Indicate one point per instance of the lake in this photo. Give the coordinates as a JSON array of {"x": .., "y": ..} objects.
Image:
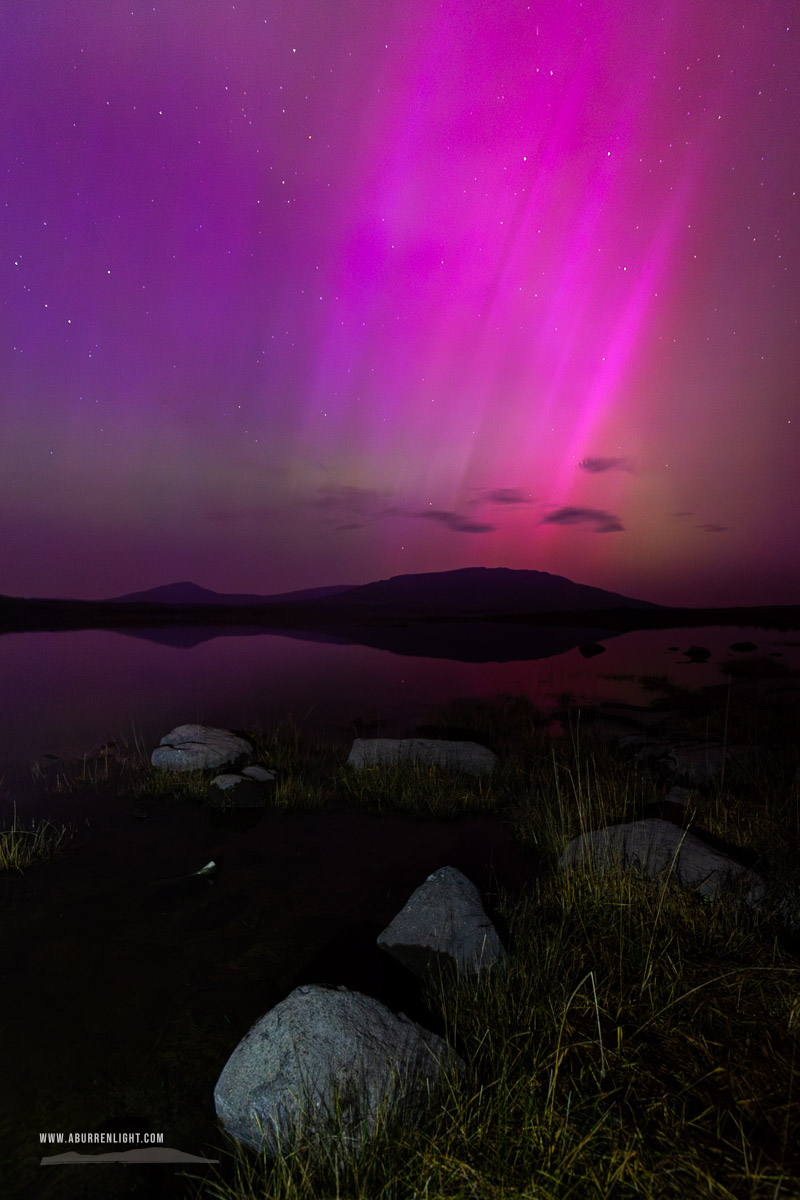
[{"x": 65, "y": 693}]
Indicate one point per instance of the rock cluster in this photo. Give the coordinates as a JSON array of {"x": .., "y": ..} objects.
[{"x": 327, "y": 1061}]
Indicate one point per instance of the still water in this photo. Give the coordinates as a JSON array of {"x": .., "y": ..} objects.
[{"x": 66, "y": 693}]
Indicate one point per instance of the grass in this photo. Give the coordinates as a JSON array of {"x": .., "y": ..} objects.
[
  {"x": 636, "y": 1046},
  {"x": 22, "y": 847},
  {"x": 641, "y": 1042}
]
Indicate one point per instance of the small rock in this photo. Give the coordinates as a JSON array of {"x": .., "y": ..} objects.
[
  {"x": 698, "y": 654},
  {"x": 196, "y": 747},
  {"x": 444, "y": 916},
  {"x": 260, "y": 774}
]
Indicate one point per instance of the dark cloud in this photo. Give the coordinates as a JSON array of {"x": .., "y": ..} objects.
[
  {"x": 712, "y": 528},
  {"x": 603, "y": 522},
  {"x": 353, "y": 507},
  {"x": 507, "y": 496},
  {"x": 501, "y": 496},
  {"x": 453, "y": 521},
  {"x": 596, "y": 465}
]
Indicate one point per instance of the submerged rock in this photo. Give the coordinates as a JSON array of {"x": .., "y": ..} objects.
[{"x": 591, "y": 649}]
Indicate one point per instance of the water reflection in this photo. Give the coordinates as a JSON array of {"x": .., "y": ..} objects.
[{"x": 65, "y": 693}]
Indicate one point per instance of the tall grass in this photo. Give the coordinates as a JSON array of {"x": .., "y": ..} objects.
[
  {"x": 639, "y": 1043},
  {"x": 22, "y": 847}
]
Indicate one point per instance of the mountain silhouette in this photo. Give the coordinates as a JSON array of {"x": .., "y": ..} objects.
[
  {"x": 464, "y": 592},
  {"x": 192, "y": 593},
  {"x": 478, "y": 591}
]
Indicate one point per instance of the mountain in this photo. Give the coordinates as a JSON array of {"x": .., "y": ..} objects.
[
  {"x": 477, "y": 591},
  {"x": 466, "y": 592},
  {"x": 192, "y": 593}
]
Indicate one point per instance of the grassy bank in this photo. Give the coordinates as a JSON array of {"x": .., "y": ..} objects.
[{"x": 642, "y": 1043}]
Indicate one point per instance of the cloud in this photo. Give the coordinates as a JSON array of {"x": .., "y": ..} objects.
[
  {"x": 596, "y": 465},
  {"x": 678, "y": 515},
  {"x": 453, "y": 521},
  {"x": 501, "y": 496},
  {"x": 508, "y": 496},
  {"x": 712, "y": 528},
  {"x": 347, "y": 507},
  {"x": 603, "y": 522}
]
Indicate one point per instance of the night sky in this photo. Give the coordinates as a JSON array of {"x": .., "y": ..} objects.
[{"x": 314, "y": 293}]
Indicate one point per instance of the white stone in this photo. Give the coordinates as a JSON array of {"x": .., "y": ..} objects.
[
  {"x": 461, "y": 756},
  {"x": 196, "y": 747}
]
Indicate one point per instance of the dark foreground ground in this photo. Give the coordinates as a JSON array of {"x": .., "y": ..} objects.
[{"x": 128, "y": 980}]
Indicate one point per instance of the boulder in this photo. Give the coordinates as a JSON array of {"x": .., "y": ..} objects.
[
  {"x": 444, "y": 919},
  {"x": 195, "y": 747},
  {"x": 652, "y": 846},
  {"x": 318, "y": 1045},
  {"x": 385, "y": 752}
]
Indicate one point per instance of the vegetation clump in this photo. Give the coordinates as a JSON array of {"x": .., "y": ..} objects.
[{"x": 22, "y": 847}]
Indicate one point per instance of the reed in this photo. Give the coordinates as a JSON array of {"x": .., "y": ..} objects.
[{"x": 22, "y": 847}]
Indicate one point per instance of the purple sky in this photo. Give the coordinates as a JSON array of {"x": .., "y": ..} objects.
[{"x": 315, "y": 293}]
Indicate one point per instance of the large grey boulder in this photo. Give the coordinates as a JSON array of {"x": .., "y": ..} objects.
[
  {"x": 383, "y": 752},
  {"x": 285, "y": 1072},
  {"x": 194, "y": 747},
  {"x": 443, "y": 919},
  {"x": 653, "y": 845}
]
